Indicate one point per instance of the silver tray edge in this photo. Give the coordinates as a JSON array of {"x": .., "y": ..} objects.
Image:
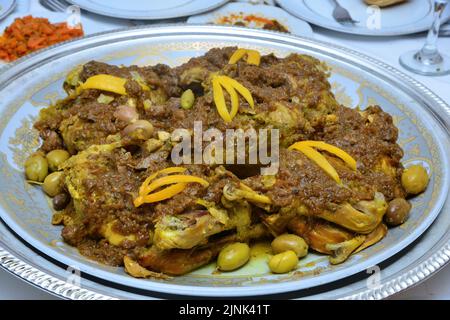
[{"x": 425, "y": 269}]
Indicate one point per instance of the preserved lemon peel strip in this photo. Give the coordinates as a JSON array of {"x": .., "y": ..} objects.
[
  {"x": 219, "y": 100},
  {"x": 164, "y": 194},
  {"x": 243, "y": 91},
  {"x": 107, "y": 82},
  {"x": 175, "y": 179},
  {"x": 252, "y": 56},
  {"x": 348, "y": 159},
  {"x": 177, "y": 184},
  {"x": 169, "y": 170},
  {"x": 237, "y": 55},
  {"x": 233, "y": 97},
  {"x": 233, "y": 88},
  {"x": 318, "y": 158}
]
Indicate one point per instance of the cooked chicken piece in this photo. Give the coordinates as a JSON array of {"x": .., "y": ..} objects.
[
  {"x": 299, "y": 182},
  {"x": 80, "y": 168},
  {"x": 341, "y": 251},
  {"x": 319, "y": 233},
  {"x": 331, "y": 239},
  {"x": 362, "y": 217},
  {"x": 375, "y": 236},
  {"x": 102, "y": 203},
  {"x": 179, "y": 261},
  {"x": 288, "y": 119},
  {"x": 277, "y": 223},
  {"x": 193, "y": 228},
  {"x": 186, "y": 230},
  {"x": 134, "y": 269}
]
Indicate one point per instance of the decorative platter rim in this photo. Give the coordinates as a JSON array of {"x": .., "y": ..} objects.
[{"x": 422, "y": 92}]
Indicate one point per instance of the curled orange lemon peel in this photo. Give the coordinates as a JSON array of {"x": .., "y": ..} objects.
[
  {"x": 107, "y": 82},
  {"x": 233, "y": 87},
  {"x": 307, "y": 148},
  {"x": 176, "y": 183},
  {"x": 251, "y": 56}
]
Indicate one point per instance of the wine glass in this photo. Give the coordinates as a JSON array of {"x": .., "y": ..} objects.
[{"x": 429, "y": 61}]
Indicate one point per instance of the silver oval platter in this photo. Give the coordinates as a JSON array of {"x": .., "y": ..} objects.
[{"x": 33, "y": 249}]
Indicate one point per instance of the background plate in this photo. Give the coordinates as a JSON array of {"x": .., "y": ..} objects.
[
  {"x": 356, "y": 80},
  {"x": 89, "y": 26},
  {"x": 148, "y": 10},
  {"x": 6, "y": 6},
  {"x": 406, "y": 18},
  {"x": 293, "y": 24}
]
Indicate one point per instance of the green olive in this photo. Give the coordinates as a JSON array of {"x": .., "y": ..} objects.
[
  {"x": 56, "y": 157},
  {"x": 233, "y": 256},
  {"x": 187, "y": 99},
  {"x": 283, "y": 262},
  {"x": 36, "y": 168},
  {"x": 397, "y": 212},
  {"x": 54, "y": 183},
  {"x": 415, "y": 179},
  {"x": 292, "y": 242}
]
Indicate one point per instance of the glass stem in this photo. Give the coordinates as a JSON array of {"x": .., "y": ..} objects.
[{"x": 429, "y": 53}]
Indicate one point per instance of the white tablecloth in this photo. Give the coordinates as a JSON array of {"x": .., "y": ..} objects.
[{"x": 385, "y": 49}]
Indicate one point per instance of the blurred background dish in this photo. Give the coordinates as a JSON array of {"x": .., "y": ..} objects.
[
  {"x": 28, "y": 34},
  {"x": 6, "y": 7},
  {"x": 148, "y": 10},
  {"x": 254, "y": 16},
  {"x": 403, "y": 18},
  {"x": 89, "y": 26}
]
